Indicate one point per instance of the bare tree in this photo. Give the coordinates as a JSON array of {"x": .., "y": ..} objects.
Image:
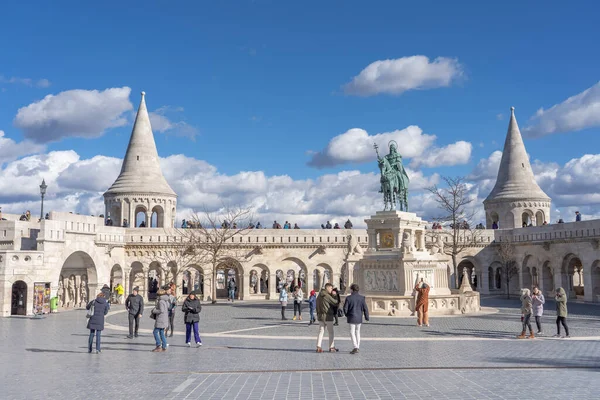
[
  {"x": 216, "y": 239},
  {"x": 177, "y": 255},
  {"x": 506, "y": 252},
  {"x": 454, "y": 200}
]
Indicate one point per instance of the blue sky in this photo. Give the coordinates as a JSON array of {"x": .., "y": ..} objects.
[{"x": 264, "y": 83}]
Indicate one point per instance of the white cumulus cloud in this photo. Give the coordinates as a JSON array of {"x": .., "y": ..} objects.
[
  {"x": 11, "y": 150},
  {"x": 574, "y": 114},
  {"x": 162, "y": 121},
  {"x": 356, "y": 146},
  {"x": 40, "y": 83},
  {"x": 453, "y": 154},
  {"x": 79, "y": 113},
  {"x": 402, "y": 74}
]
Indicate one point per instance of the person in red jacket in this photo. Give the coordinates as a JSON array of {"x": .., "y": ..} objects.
[{"x": 422, "y": 303}]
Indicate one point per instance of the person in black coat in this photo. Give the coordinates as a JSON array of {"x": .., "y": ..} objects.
[
  {"x": 335, "y": 308},
  {"x": 96, "y": 321},
  {"x": 191, "y": 308},
  {"x": 355, "y": 307},
  {"x": 135, "y": 308}
]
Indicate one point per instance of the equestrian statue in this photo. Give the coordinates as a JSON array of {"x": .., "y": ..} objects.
[{"x": 394, "y": 180}]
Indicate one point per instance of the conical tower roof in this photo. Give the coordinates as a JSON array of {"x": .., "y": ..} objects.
[
  {"x": 515, "y": 178},
  {"x": 141, "y": 171}
]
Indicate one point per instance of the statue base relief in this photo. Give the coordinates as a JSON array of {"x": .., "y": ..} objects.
[{"x": 397, "y": 259}]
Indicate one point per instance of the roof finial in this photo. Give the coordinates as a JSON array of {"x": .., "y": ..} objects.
[
  {"x": 144, "y": 93},
  {"x": 512, "y": 109}
]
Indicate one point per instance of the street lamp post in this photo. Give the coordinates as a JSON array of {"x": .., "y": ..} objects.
[{"x": 43, "y": 188}]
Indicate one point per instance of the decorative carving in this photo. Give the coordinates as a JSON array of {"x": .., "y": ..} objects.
[
  {"x": 353, "y": 246},
  {"x": 438, "y": 246},
  {"x": 408, "y": 245},
  {"x": 546, "y": 246},
  {"x": 595, "y": 244},
  {"x": 253, "y": 282}
]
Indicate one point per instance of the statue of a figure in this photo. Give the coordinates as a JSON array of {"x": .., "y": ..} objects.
[
  {"x": 407, "y": 243},
  {"x": 438, "y": 246},
  {"x": 353, "y": 246},
  {"x": 71, "y": 292},
  {"x": 254, "y": 282},
  {"x": 394, "y": 180},
  {"x": 60, "y": 293},
  {"x": 83, "y": 295}
]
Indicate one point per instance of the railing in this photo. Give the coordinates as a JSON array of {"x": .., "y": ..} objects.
[{"x": 569, "y": 230}]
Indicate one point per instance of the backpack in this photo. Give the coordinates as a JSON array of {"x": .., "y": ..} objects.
[{"x": 90, "y": 312}]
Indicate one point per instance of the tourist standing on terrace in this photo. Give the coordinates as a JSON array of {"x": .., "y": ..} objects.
[
  {"x": 160, "y": 314},
  {"x": 96, "y": 321},
  {"x": 561, "y": 311},
  {"x": 283, "y": 299},
  {"x": 537, "y": 302},
  {"x": 355, "y": 307},
  {"x": 526, "y": 309},
  {"x": 170, "y": 292},
  {"x": 422, "y": 303},
  {"x": 326, "y": 302},
  {"x": 135, "y": 308},
  {"x": 298, "y": 298},
  {"x": 192, "y": 307}
]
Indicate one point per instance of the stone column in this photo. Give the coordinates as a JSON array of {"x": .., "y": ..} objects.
[
  {"x": 148, "y": 219},
  {"x": 397, "y": 238},
  {"x": 335, "y": 279},
  {"x": 372, "y": 239},
  {"x": 273, "y": 286},
  {"x": 422, "y": 246},
  {"x": 145, "y": 288},
  {"x": 586, "y": 276},
  {"x": 484, "y": 284}
]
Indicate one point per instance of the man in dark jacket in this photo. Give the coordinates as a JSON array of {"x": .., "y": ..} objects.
[
  {"x": 135, "y": 308},
  {"x": 325, "y": 309},
  {"x": 355, "y": 307}
]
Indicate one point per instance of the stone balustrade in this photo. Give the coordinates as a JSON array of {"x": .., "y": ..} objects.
[{"x": 554, "y": 232}]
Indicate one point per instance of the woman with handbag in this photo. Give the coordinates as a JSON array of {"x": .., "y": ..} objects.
[
  {"x": 192, "y": 307},
  {"x": 97, "y": 309},
  {"x": 160, "y": 315}
]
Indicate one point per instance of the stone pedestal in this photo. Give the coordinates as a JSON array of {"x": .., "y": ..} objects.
[{"x": 396, "y": 260}]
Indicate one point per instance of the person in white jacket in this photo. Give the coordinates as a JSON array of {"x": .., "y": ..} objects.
[
  {"x": 537, "y": 305},
  {"x": 298, "y": 298}
]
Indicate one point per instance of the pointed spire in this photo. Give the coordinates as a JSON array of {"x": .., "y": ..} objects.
[
  {"x": 515, "y": 177},
  {"x": 141, "y": 171}
]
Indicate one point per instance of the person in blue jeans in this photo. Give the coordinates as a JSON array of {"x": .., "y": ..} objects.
[
  {"x": 96, "y": 321},
  {"x": 192, "y": 307},
  {"x": 312, "y": 305},
  {"x": 160, "y": 312},
  {"x": 231, "y": 290}
]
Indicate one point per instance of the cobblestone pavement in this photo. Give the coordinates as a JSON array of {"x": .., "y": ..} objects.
[{"x": 249, "y": 354}]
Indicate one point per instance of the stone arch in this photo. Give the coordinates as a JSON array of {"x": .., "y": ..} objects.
[
  {"x": 540, "y": 218},
  {"x": 18, "y": 304},
  {"x": 572, "y": 275},
  {"x": 137, "y": 278},
  {"x": 595, "y": 284},
  {"x": 158, "y": 217},
  {"x": 229, "y": 269},
  {"x": 140, "y": 216},
  {"x": 526, "y": 271},
  {"x": 468, "y": 264},
  {"x": 155, "y": 272},
  {"x": 547, "y": 278},
  {"x": 494, "y": 217},
  {"x": 326, "y": 273},
  {"x": 115, "y": 213},
  {"x": 295, "y": 271},
  {"x": 197, "y": 282},
  {"x": 498, "y": 282},
  {"x": 258, "y": 280},
  {"x": 527, "y": 217},
  {"x": 77, "y": 279}
]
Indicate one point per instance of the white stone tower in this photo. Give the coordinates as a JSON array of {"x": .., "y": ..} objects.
[
  {"x": 141, "y": 186},
  {"x": 516, "y": 198}
]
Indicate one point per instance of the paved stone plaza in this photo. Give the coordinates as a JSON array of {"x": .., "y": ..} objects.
[{"x": 249, "y": 354}]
